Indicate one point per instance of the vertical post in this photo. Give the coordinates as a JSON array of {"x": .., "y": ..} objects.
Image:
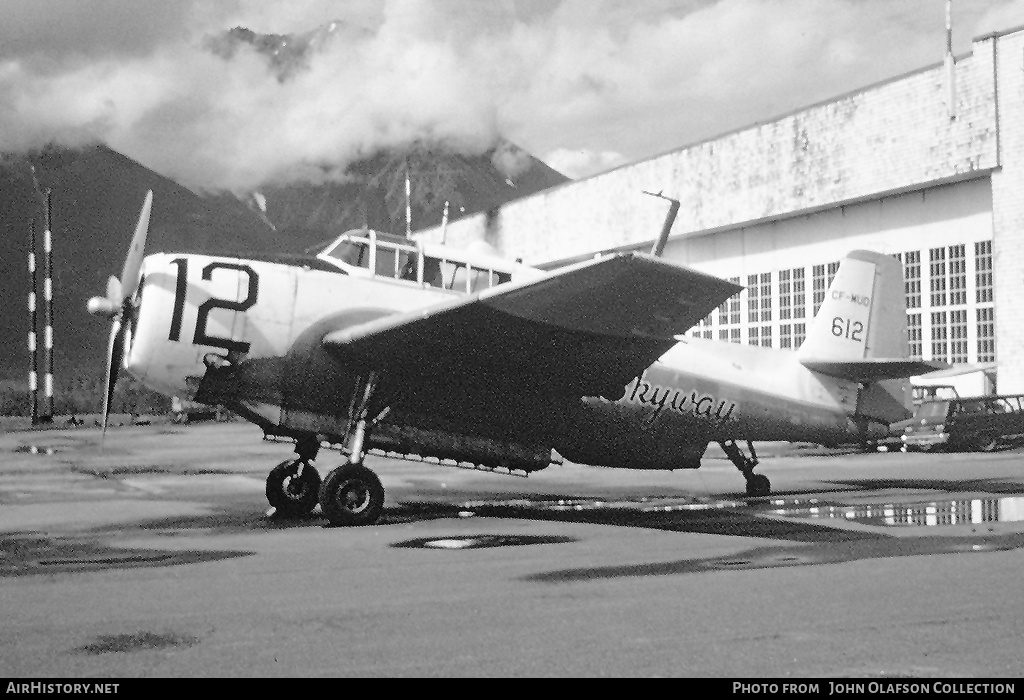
[
  {"x": 33, "y": 373},
  {"x": 444, "y": 223},
  {"x": 670, "y": 218},
  {"x": 47, "y": 415}
]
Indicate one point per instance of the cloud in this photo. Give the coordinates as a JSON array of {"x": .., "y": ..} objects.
[
  {"x": 582, "y": 162},
  {"x": 582, "y": 81}
]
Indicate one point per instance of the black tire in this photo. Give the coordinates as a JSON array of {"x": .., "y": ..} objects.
[
  {"x": 292, "y": 496},
  {"x": 758, "y": 485},
  {"x": 985, "y": 443},
  {"x": 352, "y": 495}
]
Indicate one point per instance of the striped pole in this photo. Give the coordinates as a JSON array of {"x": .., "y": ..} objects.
[
  {"x": 47, "y": 415},
  {"x": 33, "y": 381},
  {"x": 408, "y": 201}
]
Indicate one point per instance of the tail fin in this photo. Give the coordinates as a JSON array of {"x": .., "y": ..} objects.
[{"x": 860, "y": 334}]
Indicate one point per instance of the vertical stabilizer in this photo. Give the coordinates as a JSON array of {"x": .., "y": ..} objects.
[
  {"x": 863, "y": 315},
  {"x": 860, "y": 334}
]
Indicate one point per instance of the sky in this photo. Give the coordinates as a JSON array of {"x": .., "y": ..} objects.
[{"x": 585, "y": 85}]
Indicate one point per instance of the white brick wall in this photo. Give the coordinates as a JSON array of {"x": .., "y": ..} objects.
[
  {"x": 890, "y": 137},
  {"x": 1008, "y": 211}
]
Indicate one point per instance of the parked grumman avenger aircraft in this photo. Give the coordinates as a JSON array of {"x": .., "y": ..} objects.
[{"x": 380, "y": 343}]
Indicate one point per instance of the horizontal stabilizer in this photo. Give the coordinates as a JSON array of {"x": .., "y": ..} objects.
[{"x": 872, "y": 369}]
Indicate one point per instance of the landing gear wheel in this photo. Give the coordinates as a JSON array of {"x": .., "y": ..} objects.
[
  {"x": 291, "y": 494},
  {"x": 352, "y": 495},
  {"x": 758, "y": 485}
]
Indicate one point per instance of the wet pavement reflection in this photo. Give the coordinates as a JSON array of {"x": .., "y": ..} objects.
[{"x": 909, "y": 513}]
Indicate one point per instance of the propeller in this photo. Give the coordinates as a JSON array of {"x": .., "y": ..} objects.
[{"x": 117, "y": 305}]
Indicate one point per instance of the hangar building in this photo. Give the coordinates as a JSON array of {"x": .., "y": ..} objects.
[{"x": 927, "y": 166}]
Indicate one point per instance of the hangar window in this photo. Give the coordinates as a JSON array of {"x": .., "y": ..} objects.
[
  {"x": 734, "y": 304},
  {"x": 937, "y": 276},
  {"x": 818, "y": 285},
  {"x": 799, "y": 333},
  {"x": 940, "y": 336},
  {"x": 958, "y": 335},
  {"x": 734, "y": 335},
  {"x": 766, "y": 336},
  {"x": 799, "y": 293},
  {"x": 785, "y": 295},
  {"x": 914, "y": 337},
  {"x": 957, "y": 276},
  {"x": 766, "y": 297},
  {"x": 753, "y": 300},
  {"x": 986, "y": 334},
  {"x": 786, "y": 336},
  {"x": 703, "y": 328},
  {"x": 912, "y": 278},
  {"x": 983, "y": 271},
  {"x": 821, "y": 278},
  {"x": 729, "y": 311},
  {"x": 753, "y": 335}
]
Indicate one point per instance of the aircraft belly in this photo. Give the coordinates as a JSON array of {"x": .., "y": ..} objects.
[{"x": 617, "y": 434}]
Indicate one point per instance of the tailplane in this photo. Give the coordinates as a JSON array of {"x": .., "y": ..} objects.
[{"x": 860, "y": 335}]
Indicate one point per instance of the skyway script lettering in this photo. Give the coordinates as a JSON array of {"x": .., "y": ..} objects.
[{"x": 700, "y": 405}]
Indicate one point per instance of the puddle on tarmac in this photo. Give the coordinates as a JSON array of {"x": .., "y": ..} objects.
[
  {"x": 910, "y": 513},
  {"x": 883, "y": 511},
  {"x": 35, "y": 450},
  {"x": 565, "y": 504},
  {"x": 481, "y": 541}
]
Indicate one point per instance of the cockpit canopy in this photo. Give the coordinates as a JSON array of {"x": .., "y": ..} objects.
[{"x": 366, "y": 252}]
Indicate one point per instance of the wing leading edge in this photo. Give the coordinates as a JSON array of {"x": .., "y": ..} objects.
[{"x": 587, "y": 329}]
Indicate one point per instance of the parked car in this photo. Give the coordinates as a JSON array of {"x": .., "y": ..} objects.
[
  {"x": 185, "y": 411},
  {"x": 981, "y": 424}
]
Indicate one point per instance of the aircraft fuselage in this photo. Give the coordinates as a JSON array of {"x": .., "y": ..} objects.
[{"x": 197, "y": 311}]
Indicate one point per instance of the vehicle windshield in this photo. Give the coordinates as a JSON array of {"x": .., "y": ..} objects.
[{"x": 932, "y": 409}]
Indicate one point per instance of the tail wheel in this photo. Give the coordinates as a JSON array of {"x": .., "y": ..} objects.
[
  {"x": 352, "y": 495},
  {"x": 293, "y": 495},
  {"x": 758, "y": 485}
]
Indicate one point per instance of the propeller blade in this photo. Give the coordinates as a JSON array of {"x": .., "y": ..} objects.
[
  {"x": 133, "y": 263},
  {"x": 118, "y": 306},
  {"x": 115, "y": 352},
  {"x": 114, "y": 292}
]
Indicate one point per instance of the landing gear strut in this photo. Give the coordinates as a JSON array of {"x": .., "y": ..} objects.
[
  {"x": 352, "y": 494},
  {"x": 294, "y": 484},
  {"x": 757, "y": 484}
]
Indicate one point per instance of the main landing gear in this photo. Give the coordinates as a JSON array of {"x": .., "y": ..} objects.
[
  {"x": 757, "y": 484},
  {"x": 350, "y": 494}
]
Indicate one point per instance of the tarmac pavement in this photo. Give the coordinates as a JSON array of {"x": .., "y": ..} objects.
[{"x": 154, "y": 555}]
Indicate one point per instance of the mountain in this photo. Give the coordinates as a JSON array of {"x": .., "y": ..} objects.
[
  {"x": 97, "y": 193},
  {"x": 373, "y": 192}
]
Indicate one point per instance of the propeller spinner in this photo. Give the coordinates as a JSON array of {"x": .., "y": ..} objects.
[{"x": 117, "y": 304}]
